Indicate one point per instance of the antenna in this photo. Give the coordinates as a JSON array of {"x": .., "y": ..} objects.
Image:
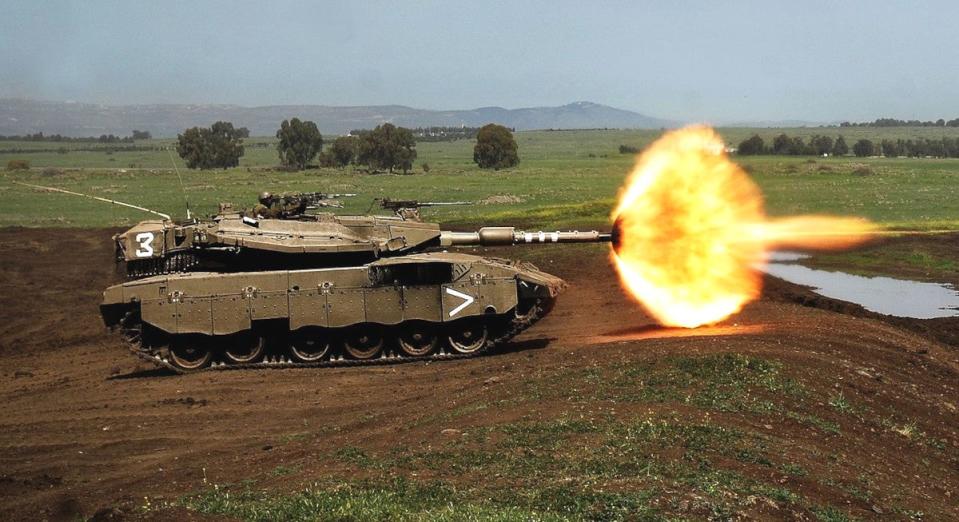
[
  {"x": 182, "y": 188},
  {"x": 115, "y": 202}
]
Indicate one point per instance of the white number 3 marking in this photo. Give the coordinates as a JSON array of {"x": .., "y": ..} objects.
[{"x": 145, "y": 240}]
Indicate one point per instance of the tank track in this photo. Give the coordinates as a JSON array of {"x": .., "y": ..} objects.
[{"x": 131, "y": 330}]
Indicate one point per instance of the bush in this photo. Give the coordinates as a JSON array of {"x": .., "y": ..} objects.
[
  {"x": 18, "y": 164},
  {"x": 51, "y": 172},
  {"x": 426, "y": 167},
  {"x": 863, "y": 170},
  {"x": 628, "y": 149}
]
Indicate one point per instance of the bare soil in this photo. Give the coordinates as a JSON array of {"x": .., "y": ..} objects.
[{"x": 85, "y": 428}]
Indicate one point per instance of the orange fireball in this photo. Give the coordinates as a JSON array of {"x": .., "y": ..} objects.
[{"x": 690, "y": 229}]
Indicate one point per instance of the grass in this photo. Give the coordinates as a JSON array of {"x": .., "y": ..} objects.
[
  {"x": 567, "y": 178},
  {"x": 399, "y": 500},
  {"x": 680, "y": 437},
  {"x": 928, "y": 261}
]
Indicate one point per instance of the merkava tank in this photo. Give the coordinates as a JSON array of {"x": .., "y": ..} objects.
[{"x": 321, "y": 289}]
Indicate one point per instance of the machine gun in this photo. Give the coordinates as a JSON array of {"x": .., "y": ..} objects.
[
  {"x": 314, "y": 200},
  {"x": 409, "y": 208}
]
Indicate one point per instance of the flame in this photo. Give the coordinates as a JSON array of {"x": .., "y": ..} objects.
[{"x": 690, "y": 228}]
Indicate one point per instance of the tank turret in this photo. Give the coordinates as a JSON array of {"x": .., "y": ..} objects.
[{"x": 235, "y": 242}]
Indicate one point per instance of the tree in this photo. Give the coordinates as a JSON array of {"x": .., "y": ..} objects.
[
  {"x": 751, "y": 146},
  {"x": 863, "y": 148},
  {"x": 342, "y": 151},
  {"x": 217, "y": 147},
  {"x": 781, "y": 144},
  {"x": 839, "y": 148},
  {"x": 495, "y": 148},
  {"x": 890, "y": 149},
  {"x": 386, "y": 147},
  {"x": 822, "y": 144},
  {"x": 141, "y": 135},
  {"x": 325, "y": 159},
  {"x": 300, "y": 142},
  {"x": 796, "y": 147}
]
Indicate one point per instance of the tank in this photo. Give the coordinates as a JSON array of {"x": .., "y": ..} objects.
[{"x": 321, "y": 290}]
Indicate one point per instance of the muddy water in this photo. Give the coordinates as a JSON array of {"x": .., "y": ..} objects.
[{"x": 884, "y": 295}]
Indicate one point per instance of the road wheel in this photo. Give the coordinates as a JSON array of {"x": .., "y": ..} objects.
[
  {"x": 190, "y": 352},
  {"x": 467, "y": 336},
  {"x": 245, "y": 348},
  {"x": 417, "y": 339},
  {"x": 363, "y": 342},
  {"x": 310, "y": 346}
]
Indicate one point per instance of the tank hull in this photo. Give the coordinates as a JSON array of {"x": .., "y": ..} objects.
[{"x": 414, "y": 307}]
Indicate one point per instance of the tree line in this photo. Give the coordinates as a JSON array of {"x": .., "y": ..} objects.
[
  {"x": 783, "y": 144},
  {"x": 103, "y": 138},
  {"x": 384, "y": 148},
  {"x": 819, "y": 145},
  {"x": 64, "y": 150},
  {"x": 892, "y": 122}
]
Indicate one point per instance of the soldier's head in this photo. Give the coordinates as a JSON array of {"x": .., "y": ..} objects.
[{"x": 265, "y": 197}]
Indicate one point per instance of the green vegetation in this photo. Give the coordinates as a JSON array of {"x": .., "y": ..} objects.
[
  {"x": 341, "y": 153},
  {"x": 298, "y": 142},
  {"x": 682, "y": 437},
  {"x": 567, "y": 178},
  {"x": 927, "y": 261},
  {"x": 219, "y": 147},
  {"x": 495, "y": 148},
  {"x": 399, "y": 500},
  {"x": 386, "y": 147}
]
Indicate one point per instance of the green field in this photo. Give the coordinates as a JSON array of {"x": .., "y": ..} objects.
[{"x": 566, "y": 178}]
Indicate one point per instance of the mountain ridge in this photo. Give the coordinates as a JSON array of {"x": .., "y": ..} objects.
[{"x": 24, "y": 116}]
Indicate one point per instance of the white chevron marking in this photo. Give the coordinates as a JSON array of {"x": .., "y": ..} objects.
[{"x": 467, "y": 300}]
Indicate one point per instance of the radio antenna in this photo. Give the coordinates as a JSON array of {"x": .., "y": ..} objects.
[
  {"x": 182, "y": 188},
  {"x": 105, "y": 200}
]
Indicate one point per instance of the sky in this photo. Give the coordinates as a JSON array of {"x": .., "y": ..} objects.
[{"x": 718, "y": 62}]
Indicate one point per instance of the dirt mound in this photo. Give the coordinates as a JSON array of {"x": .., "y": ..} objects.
[{"x": 784, "y": 411}]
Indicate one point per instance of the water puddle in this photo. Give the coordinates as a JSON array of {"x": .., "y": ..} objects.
[{"x": 885, "y": 295}]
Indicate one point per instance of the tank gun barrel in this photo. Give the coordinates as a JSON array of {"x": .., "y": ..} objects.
[
  {"x": 502, "y": 236},
  {"x": 398, "y": 204}
]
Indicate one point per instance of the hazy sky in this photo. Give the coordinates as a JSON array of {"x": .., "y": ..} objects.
[{"x": 712, "y": 61}]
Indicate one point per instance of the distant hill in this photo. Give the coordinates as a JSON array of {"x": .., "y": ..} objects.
[{"x": 19, "y": 116}]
